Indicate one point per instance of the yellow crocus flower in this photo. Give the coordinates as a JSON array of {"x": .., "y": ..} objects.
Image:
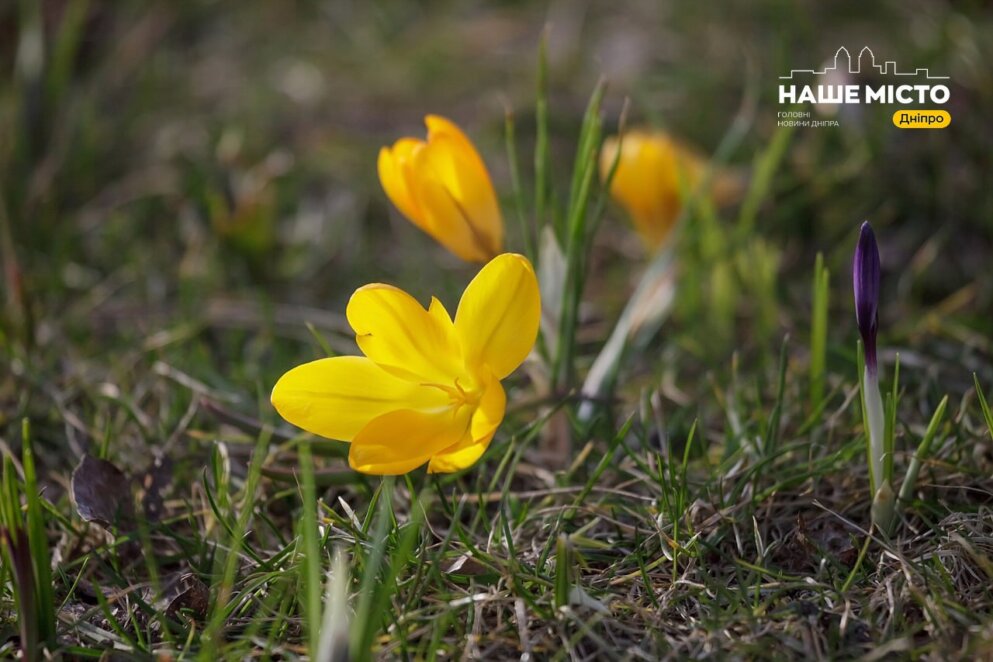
[
  {"x": 443, "y": 187},
  {"x": 652, "y": 172},
  {"x": 428, "y": 388}
]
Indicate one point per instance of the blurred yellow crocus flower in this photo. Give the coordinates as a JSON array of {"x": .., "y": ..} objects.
[
  {"x": 652, "y": 173},
  {"x": 443, "y": 187},
  {"x": 428, "y": 388}
]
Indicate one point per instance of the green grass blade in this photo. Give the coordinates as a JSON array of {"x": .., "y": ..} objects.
[
  {"x": 542, "y": 159},
  {"x": 563, "y": 566},
  {"x": 772, "y": 433},
  {"x": 66, "y": 46},
  {"x": 213, "y": 631},
  {"x": 923, "y": 452},
  {"x": 766, "y": 164},
  {"x": 365, "y": 624},
  {"x": 889, "y": 434},
  {"x": 818, "y": 332},
  {"x": 38, "y": 543},
  {"x": 321, "y": 341},
  {"x": 310, "y": 567},
  {"x": 585, "y": 170},
  {"x": 987, "y": 414},
  {"x": 17, "y": 562},
  {"x": 528, "y": 235}
]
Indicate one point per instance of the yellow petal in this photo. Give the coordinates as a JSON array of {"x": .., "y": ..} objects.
[
  {"x": 459, "y": 457},
  {"x": 447, "y": 222},
  {"x": 453, "y": 160},
  {"x": 485, "y": 421},
  {"x": 470, "y": 185},
  {"x": 403, "y": 440},
  {"x": 438, "y": 311},
  {"x": 497, "y": 318},
  {"x": 403, "y": 338},
  {"x": 393, "y": 165},
  {"x": 337, "y": 397},
  {"x": 492, "y": 406},
  {"x": 439, "y": 126}
]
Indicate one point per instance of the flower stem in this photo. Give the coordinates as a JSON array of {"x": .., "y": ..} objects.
[{"x": 874, "y": 416}]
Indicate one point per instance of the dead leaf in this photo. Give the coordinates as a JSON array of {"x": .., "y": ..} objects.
[
  {"x": 102, "y": 493},
  {"x": 187, "y": 592},
  {"x": 468, "y": 566}
]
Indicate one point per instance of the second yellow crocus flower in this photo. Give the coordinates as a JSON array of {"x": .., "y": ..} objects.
[
  {"x": 428, "y": 388},
  {"x": 652, "y": 173},
  {"x": 443, "y": 187}
]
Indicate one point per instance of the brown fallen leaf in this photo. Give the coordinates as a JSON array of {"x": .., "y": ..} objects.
[
  {"x": 102, "y": 494},
  {"x": 187, "y": 591},
  {"x": 466, "y": 565}
]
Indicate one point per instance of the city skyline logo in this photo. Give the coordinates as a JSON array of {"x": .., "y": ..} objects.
[
  {"x": 843, "y": 81},
  {"x": 855, "y": 66}
]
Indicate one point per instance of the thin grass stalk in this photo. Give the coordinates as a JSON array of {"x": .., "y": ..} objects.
[
  {"x": 983, "y": 404},
  {"x": 584, "y": 172},
  {"x": 923, "y": 452},
  {"x": 766, "y": 164},
  {"x": 889, "y": 437},
  {"x": 527, "y": 229},
  {"x": 38, "y": 543},
  {"x": 818, "y": 332},
  {"x": 212, "y": 633},
  {"x": 311, "y": 555},
  {"x": 366, "y": 622},
  {"x": 542, "y": 160}
]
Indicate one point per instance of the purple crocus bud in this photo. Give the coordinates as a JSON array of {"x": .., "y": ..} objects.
[{"x": 865, "y": 277}]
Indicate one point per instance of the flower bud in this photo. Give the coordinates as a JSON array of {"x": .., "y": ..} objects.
[
  {"x": 865, "y": 278},
  {"x": 655, "y": 173},
  {"x": 442, "y": 186}
]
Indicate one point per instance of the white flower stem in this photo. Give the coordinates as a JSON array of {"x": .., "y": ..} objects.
[{"x": 874, "y": 415}]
